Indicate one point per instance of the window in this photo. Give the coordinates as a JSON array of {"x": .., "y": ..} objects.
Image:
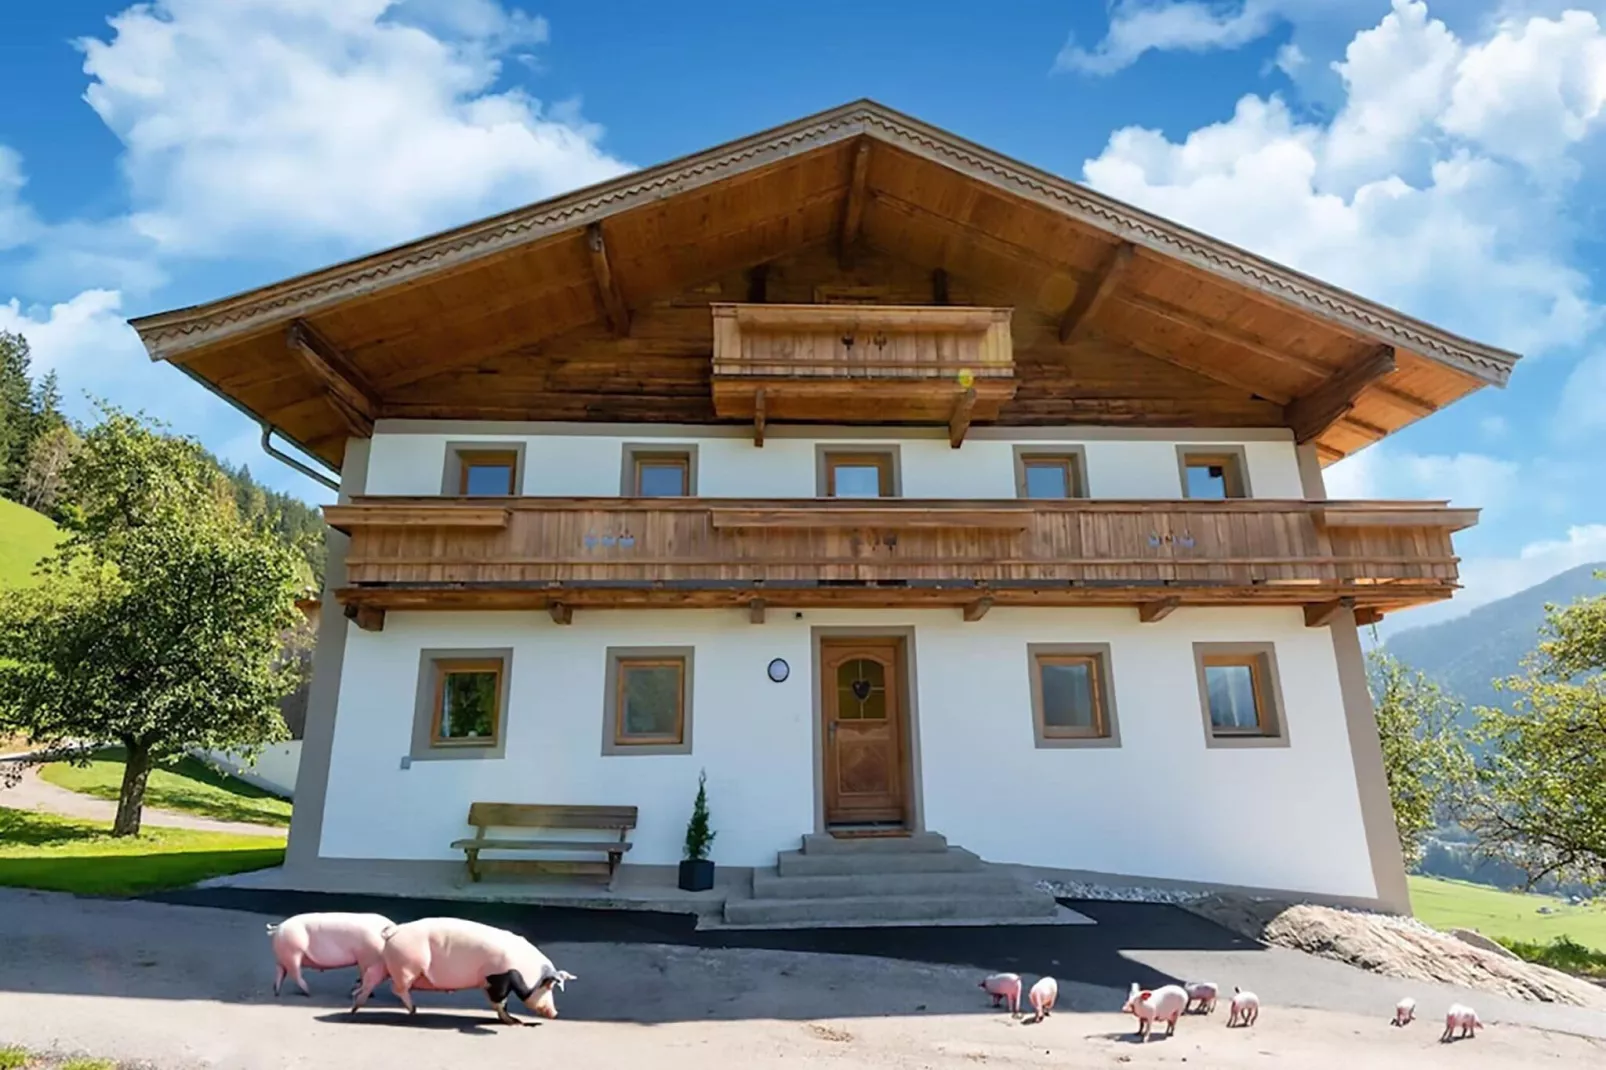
[
  {"x": 1072, "y": 695},
  {"x": 1213, "y": 474},
  {"x": 651, "y": 471},
  {"x": 461, "y": 709},
  {"x": 1239, "y": 693},
  {"x": 1049, "y": 475},
  {"x": 648, "y": 707},
  {"x": 476, "y": 469},
  {"x": 858, "y": 475}
]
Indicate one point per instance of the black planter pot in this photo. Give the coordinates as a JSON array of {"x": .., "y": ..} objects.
[{"x": 696, "y": 875}]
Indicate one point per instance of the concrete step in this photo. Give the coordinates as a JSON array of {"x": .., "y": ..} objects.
[
  {"x": 818, "y": 843},
  {"x": 859, "y": 863},
  {"x": 985, "y": 909},
  {"x": 769, "y": 884}
]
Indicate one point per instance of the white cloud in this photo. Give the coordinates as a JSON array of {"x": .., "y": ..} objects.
[
  {"x": 1494, "y": 427},
  {"x": 1290, "y": 59},
  {"x": 356, "y": 121},
  {"x": 1488, "y": 579},
  {"x": 1381, "y": 200},
  {"x": 17, "y": 221},
  {"x": 1466, "y": 480},
  {"x": 1139, "y": 26}
]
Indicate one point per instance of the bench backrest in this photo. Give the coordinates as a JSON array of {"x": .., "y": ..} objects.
[{"x": 526, "y": 815}]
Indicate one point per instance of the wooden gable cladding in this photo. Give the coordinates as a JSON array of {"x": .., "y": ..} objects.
[
  {"x": 586, "y": 552},
  {"x": 858, "y": 363},
  {"x": 501, "y": 318}
]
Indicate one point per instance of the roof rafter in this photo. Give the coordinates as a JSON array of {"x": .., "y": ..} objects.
[
  {"x": 349, "y": 392},
  {"x": 1313, "y": 413},
  {"x": 853, "y": 205},
  {"x": 1091, "y": 295},
  {"x": 614, "y": 308}
]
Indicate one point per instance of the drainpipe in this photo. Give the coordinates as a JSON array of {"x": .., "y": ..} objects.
[{"x": 310, "y": 473}]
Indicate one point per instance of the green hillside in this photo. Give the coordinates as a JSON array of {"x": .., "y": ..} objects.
[
  {"x": 1446, "y": 904},
  {"x": 25, "y": 537}
]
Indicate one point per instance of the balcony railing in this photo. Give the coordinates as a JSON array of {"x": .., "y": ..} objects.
[{"x": 449, "y": 553}]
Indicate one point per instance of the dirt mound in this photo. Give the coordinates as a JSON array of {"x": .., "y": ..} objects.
[{"x": 1395, "y": 947}]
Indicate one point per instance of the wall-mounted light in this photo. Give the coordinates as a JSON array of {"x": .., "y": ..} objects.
[{"x": 779, "y": 670}]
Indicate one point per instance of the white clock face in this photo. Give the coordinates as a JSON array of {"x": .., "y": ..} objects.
[{"x": 779, "y": 670}]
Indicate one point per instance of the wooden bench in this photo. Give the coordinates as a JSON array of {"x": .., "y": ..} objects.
[{"x": 485, "y": 816}]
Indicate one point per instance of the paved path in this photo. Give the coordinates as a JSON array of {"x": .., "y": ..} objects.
[
  {"x": 183, "y": 986},
  {"x": 34, "y": 793}
]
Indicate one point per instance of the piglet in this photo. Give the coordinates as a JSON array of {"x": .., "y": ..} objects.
[
  {"x": 1004, "y": 986},
  {"x": 1245, "y": 1009},
  {"x": 1164, "y": 1004},
  {"x": 1203, "y": 993},
  {"x": 328, "y": 942},
  {"x": 449, "y": 954},
  {"x": 1461, "y": 1017},
  {"x": 1042, "y": 996},
  {"x": 1405, "y": 1011}
]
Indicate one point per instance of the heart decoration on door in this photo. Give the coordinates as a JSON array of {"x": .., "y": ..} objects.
[{"x": 861, "y": 689}]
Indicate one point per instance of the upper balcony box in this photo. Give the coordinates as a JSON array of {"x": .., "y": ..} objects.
[{"x": 862, "y": 364}]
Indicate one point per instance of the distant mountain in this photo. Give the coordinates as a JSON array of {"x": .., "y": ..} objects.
[{"x": 1489, "y": 643}]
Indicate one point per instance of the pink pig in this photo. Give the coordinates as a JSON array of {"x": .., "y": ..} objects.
[
  {"x": 1042, "y": 996},
  {"x": 328, "y": 942},
  {"x": 449, "y": 954},
  {"x": 1164, "y": 1004},
  {"x": 1004, "y": 986}
]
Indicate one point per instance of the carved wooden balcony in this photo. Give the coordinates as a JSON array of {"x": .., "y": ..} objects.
[
  {"x": 562, "y": 553},
  {"x": 862, "y": 364}
]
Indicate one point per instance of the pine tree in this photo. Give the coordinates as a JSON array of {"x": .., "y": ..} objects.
[
  {"x": 16, "y": 411},
  {"x": 699, "y": 837}
]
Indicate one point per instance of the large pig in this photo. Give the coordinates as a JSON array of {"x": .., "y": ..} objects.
[
  {"x": 449, "y": 954},
  {"x": 328, "y": 942}
]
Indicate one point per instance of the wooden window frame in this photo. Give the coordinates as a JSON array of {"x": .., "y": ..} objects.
[
  {"x": 461, "y": 456},
  {"x": 1107, "y": 732},
  {"x": 434, "y": 666},
  {"x": 1232, "y": 459},
  {"x": 635, "y": 454},
  {"x": 1073, "y": 459},
  {"x": 614, "y": 739},
  {"x": 1261, "y": 660},
  {"x": 885, "y": 461}
]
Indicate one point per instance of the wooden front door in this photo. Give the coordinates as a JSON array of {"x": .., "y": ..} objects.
[{"x": 861, "y": 713}]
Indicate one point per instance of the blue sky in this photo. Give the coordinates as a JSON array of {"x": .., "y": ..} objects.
[{"x": 1445, "y": 158}]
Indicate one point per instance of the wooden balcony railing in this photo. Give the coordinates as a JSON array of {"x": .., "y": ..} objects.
[
  {"x": 862, "y": 363},
  {"x": 545, "y": 552}
]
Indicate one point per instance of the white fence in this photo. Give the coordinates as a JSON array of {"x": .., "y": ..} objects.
[{"x": 274, "y": 768}]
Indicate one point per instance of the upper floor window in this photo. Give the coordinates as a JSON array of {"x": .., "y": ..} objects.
[
  {"x": 1049, "y": 475},
  {"x": 474, "y": 471},
  {"x": 1213, "y": 474},
  {"x": 652, "y": 472},
  {"x": 859, "y": 475}
]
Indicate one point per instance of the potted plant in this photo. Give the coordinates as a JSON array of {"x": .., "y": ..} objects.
[{"x": 697, "y": 870}]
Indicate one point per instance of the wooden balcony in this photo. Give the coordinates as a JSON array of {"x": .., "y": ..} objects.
[
  {"x": 560, "y": 554},
  {"x": 862, "y": 364}
]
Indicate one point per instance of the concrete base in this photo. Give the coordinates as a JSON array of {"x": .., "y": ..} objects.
[{"x": 1116, "y": 881}]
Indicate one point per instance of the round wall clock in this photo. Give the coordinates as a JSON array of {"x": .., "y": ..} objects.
[{"x": 779, "y": 670}]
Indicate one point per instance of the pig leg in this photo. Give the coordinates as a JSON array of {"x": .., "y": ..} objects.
[
  {"x": 295, "y": 975},
  {"x": 278, "y": 979},
  {"x": 497, "y": 988},
  {"x": 370, "y": 979}
]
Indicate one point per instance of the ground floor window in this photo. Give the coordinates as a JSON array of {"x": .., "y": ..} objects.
[
  {"x": 648, "y": 704},
  {"x": 461, "y": 710},
  {"x": 1073, "y": 701},
  {"x": 1239, "y": 693}
]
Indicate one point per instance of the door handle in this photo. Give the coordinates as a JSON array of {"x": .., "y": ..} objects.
[{"x": 832, "y": 730}]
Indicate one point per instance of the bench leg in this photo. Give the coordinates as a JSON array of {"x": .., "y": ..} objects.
[
  {"x": 473, "y": 864},
  {"x": 613, "y": 867}
]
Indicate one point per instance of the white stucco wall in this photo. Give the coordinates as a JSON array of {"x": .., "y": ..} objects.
[
  {"x": 273, "y": 768},
  {"x": 1161, "y": 805},
  {"x": 729, "y": 466}
]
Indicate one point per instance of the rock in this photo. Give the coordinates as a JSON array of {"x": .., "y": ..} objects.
[
  {"x": 1395, "y": 947},
  {"x": 1477, "y": 939}
]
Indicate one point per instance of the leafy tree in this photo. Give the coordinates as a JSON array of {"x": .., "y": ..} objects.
[
  {"x": 16, "y": 409},
  {"x": 1538, "y": 798},
  {"x": 159, "y": 621},
  {"x": 1423, "y": 757},
  {"x": 45, "y": 474}
]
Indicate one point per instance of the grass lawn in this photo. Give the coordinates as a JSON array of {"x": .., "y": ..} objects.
[
  {"x": 25, "y": 537},
  {"x": 1505, "y": 915},
  {"x": 190, "y": 787},
  {"x": 62, "y": 854}
]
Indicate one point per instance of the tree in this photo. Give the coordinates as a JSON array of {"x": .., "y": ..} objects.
[
  {"x": 1539, "y": 794},
  {"x": 159, "y": 620},
  {"x": 1423, "y": 757},
  {"x": 16, "y": 409},
  {"x": 43, "y": 478}
]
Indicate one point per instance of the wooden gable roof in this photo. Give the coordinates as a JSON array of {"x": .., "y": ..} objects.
[{"x": 593, "y": 305}]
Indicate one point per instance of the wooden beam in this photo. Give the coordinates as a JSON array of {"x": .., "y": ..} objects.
[
  {"x": 368, "y": 618},
  {"x": 1091, "y": 295},
  {"x": 1329, "y": 454},
  {"x": 939, "y": 287},
  {"x": 349, "y": 392},
  {"x": 562, "y": 613},
  {"x": 1367, "y": 616},
  {"x": 1197, "y": 367},
  {"x": 959, "y": 422},
  {"x": 758, "y": 278},
  {"x": 1324, "y": 613},
  {"x": 853, "y": 207},
  {"x": 755, "y": 611},
  {"x": 1315, "y": 412},
  {"x": 758, "y": 418},
  {"x": 978, "y": 609},
  {"x": 614, "y": 309},
  {"x": 1157, "y": 610}
]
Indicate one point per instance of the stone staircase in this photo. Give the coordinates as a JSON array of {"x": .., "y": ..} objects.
[{"x": 907, "y": 880}]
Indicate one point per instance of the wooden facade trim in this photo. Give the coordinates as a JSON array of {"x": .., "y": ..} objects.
[
  {"x": 614, "y": 309},
  {"x": 1322, "y": 614},
  {"x": 416, "y": 514},
  {"x": 1315, "y": 412},
  {"x": 1157, "y": 610},
  {"x": 810, "y": 518}
]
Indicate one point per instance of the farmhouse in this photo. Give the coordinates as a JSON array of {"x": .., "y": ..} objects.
[{"x": 924, "y": 500}]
